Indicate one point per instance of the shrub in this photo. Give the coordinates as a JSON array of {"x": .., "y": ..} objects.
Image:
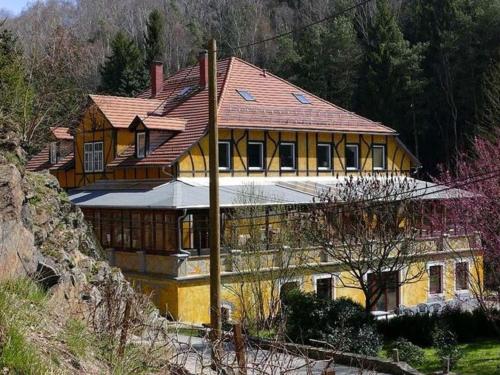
[
  {"x": 342, "y": 323},
  {"x": 445, "y": 343},
  {"x": 409, "y": 352},
  {"x": 418, "y": 328}
]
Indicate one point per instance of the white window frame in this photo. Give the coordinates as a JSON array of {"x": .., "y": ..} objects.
[
  {"x": 357, "y": 157},
  {"x": 329, "y": 168},
  {"x": 468, "y": 262},
  {"x": 294, "y": 155},
  {"x": 88, "y": 157},
  {"x": 53, "y": 153},
  {"x": 384, "y": 167},
  {"x": 322, "y": 276},
  {"x": 98, "y": 161},
  {"x": 261, "y": 146},
  {"x": 228, "y": 154},
  {"x": 443, "y": 278},
  {"x": 137, "y": 143},
  {"x": 91, "y": 161}
]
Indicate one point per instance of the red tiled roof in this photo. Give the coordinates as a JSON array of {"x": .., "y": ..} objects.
[
  {"x": 155, "y": 122},
  {"x": 275, "y": 108},
  {"x": 120, "y": 111},
  {"x": 40, "y": 161},
  {"x": 61, "y": 133}
]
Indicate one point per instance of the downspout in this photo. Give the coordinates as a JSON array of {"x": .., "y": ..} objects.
[{"x": 180, "y": 250}]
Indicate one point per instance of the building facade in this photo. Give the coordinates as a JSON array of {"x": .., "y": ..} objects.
[{"x": 138, "y": 168}]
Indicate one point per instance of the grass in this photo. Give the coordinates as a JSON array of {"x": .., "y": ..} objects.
[
  {"x": 480, "y": 358},
  {"x": 19, "y": 302},
  {"x": 77, "y": 338}
]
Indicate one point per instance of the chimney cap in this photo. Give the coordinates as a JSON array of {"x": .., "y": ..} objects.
[
  {"x": 156, "y": 62},
  {"x": 202, "y": 53}
]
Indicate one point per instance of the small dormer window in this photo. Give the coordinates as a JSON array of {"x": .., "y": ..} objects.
[
  {"x": 53, "y": 152},
  {"x": 140, "y": 145}
]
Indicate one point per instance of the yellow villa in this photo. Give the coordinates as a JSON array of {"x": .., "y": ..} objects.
[{"x": 138, "y": 168}]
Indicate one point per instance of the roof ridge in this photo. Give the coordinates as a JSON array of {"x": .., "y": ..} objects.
[
  {"x": 226, "y": 79},
  {"x": 309, "y": 93},
  {"x": 123, "y": 97}
]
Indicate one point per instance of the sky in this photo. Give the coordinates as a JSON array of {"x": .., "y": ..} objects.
[{"x": 13, "y": 6}]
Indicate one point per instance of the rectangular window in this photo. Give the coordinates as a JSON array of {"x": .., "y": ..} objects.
[
  {"x": 462, "y": 276},
  {"x": 88, "y": 157},
  {"x": 436, "y": 279},
  {"x": 225, "y": 156},
  {"x": 255, "y": 155},
  {"x": 53, "y": 153},
  {"x": 324, "y": 156},
  {"x": 324, "y": 288},
  {"x": 287, "y": 156},
  {"x": 98, "y": 157},
  {"x": 93, "y": 157},
  {"x": 140, "y": 139},
  {"x": 378, "y": 157},
  {"x": 352, "y": 157}
]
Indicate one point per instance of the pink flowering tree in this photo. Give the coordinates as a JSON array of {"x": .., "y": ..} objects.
[{"x": 477, "y": 216}]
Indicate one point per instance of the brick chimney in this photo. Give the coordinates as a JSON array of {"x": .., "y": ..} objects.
[
  {"x": 203, "y": 61},
  {"x": 156, "y": 75}
]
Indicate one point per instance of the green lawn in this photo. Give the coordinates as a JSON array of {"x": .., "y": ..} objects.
[{"x": 480, "y": 358}]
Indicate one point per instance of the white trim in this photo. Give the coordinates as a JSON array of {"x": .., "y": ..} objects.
[
  {"x": 53, "y": 152},
  {"x": 322, "y": 276},
  {"x": 294, "y": 167},
  {"x": 228, "y": 155},
  {"x": 261, "y": 147},
  {"x": 357, "y": 157},
  {"x": 98, "y": 162},
  {"x": 329, "y": 168},
  {"x": 137, "y": 144},
  {"x": 456, "y": 261},
  {"x": 297, "y": 279},
  {"x": 383, "y": 158},
  {"x": 443, "y": 278}
]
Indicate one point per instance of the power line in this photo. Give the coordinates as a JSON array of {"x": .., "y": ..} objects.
[
  {"x": 394, "y": 195},
  {"x": 342, "y": 209},
  {"x": 327, "y": 18}
]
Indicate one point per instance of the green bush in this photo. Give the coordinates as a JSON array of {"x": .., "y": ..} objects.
[
  {"x": 418, "y": 329},
  {"x": 446, "y": 345},
  {"x": 409, "y": 352},
  {"x": 342, "y": 323}
]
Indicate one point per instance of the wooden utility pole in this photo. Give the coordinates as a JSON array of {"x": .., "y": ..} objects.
[{"x": 213, "y": 140}]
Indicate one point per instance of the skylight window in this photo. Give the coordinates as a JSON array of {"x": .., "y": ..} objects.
[
  {"x": 302, "y": 98},
  {"x": 185, "y": 91},
  {"x": 246, "y": 95}
]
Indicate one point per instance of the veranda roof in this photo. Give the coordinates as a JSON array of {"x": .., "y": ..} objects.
[{"x": 193, "y": 193}]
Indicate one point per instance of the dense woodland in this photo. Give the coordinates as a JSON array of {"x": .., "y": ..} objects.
[{"x": 428, "y": 68}]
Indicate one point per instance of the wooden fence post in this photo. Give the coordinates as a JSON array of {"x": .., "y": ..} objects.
[{"x": 239, "y": 347}]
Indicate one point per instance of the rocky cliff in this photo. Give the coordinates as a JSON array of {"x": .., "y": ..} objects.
[{"x": 45, "y": 244}]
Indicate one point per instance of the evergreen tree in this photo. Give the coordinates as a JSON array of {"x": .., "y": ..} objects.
[
  {"x": 123, "y": 71},
  {"x": 489, "y": 113},
  {"x": 324, "y": 60},
  {"x": 16, "y": 94},
  {"x": 391, "y": 75},
  {"x": 154, "y": 38}
]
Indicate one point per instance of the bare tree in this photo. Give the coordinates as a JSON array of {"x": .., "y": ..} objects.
[
  {"x": 264, "y": 257},
  {"x": 368, "y": 225}
]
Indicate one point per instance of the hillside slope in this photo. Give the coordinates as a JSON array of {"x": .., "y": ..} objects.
[{"x": 62, "y": 308}]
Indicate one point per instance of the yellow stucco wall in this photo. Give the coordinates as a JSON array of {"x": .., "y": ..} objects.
[
  {"x": 188, "y": 300},
  {"x": 195, "y": 161}
]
